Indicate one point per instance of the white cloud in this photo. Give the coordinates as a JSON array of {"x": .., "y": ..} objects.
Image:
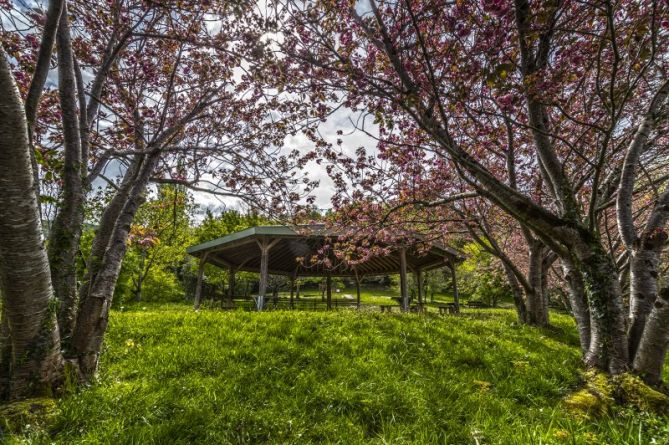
[{"x": 352, "y": 138}]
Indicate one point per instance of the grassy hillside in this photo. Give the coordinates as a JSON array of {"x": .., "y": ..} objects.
[{"x": 170, "y": 375}]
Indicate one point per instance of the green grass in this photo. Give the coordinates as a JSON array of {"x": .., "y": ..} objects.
[
  {"x": 172, "y": 376},
  {"x": 367, "y": 296}
]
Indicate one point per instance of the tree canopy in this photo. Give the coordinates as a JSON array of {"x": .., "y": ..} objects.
[{"x": 535, "y": 131}]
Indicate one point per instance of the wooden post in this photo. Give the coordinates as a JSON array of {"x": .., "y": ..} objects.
[
  {"x": 292, "y": 290},
  {"x": 419, "y": 282},
  {"x": 357, "y": 288},
  {"x": 198, "y": 286},
  {"x": 231, "y": 288},
  {"x": 456, "y": 296},
  {"x": 223, "y": 296},
  {"x": 265, "y": 246},
  {"x": 404, "y": 288},
  {"x": 328, "y": 290},
  {"x": 264, "y": 260},
  {"x": 297, "y": 289}
]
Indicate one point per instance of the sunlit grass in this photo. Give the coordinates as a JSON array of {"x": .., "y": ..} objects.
[
  {"x": 173, "y": 376},
  {"x": 368, "y": 296}
]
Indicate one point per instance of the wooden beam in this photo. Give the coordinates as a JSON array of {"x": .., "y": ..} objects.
[
  {"x": 456, "y": 295},
  {"x": 292, "y": 290},
  {"x": 419, "y": 282},
  {"x": 231, "y": 288},
  {"x": 198, "y": 286},
  {"x": 404, "y": 288},
  {"x": 358, "y": 278},
  {"x": 265, "y": 246},
  {"x": 328, "y": 289}
]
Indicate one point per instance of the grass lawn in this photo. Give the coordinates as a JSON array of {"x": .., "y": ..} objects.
[
  {"x": 367, "y": 296},
  {"x": 173, "y": 376}
]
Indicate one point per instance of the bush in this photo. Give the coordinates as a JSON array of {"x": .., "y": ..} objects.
[
  {"x": 162, "y": 286},
  {"x": 481, "y": 277}
]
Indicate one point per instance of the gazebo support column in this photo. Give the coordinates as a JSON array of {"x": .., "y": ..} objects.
[
  {"x": 292, "y": 290},
  {"x": 358, "y": 278},
  {"x": 328, "y": 290},
  {"x": 231, "y": 287},
  {"x": 419, "y": 282},
  {"x": 404, "y": 288},
  {"x": 456, "y": 295},
  {"x": 265, "y": 246},
  {"x": 198, "y": 286}
]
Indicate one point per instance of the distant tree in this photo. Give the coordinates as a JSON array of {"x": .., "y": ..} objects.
[
  {"x": 225, "y": 223},
  {"x": 159, "y": 233},
  {"x": 482, "y": 276}
]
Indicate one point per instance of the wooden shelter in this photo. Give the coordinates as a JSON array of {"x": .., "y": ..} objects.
[{"x": 290, "y": 251}]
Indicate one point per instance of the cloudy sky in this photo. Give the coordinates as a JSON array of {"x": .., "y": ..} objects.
[{"x": 342, "y": 119}]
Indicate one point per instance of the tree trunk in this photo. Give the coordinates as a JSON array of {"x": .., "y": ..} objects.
[
  {"x": 138, "y": 288},
  {"x": 578, "y": 303},
  {"x": 517, "y": 292},
  {"x": 25, "y": 282},
  {"x": 608, "y": 345},
  {"x": 94, "y": 310},
  {"x": 140, "y": 276},
  {"x": 537, "y": 310},
  {"x": 108, "y": 220},
  {"x": 5, "y": 354},
  {"x": 643, "y": 292},
  {"x": 66, "y": 229},
  {"x": 652, "y": 348}
]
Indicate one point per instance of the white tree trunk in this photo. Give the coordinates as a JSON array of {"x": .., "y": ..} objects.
[{"x": 25, "y": 281}]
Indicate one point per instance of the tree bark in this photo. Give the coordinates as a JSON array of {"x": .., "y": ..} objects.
[
  {"x": 578, "y": 303},
  {"x": 652, "y": 346},
  {"x": 25, "y": 281},
  {"x": 643, "y": 292},
  {"x": 517, "y": 292},
  {"x": 608, "y": 345},
  {"x": 36, "y": 88},
  {"x": 94, "y": 309},
  {"x": 5, "y": 354},
  {"x": 644, "y": 250},
  {"x": 650, "y": 357},
  {"x": 537, "y": 309},
  {"x": 43, "y": 63},
  {"x": 110, "y": 216},
  {"x": 143, "y": 271},
  {"x": 66, "y": 229}
]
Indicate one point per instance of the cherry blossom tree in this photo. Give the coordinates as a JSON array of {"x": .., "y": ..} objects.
[
  {"x": 581, "y": 86},
  {"x": 153, "y": 92}
]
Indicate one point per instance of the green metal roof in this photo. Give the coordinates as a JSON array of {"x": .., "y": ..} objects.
[{"x": 239, "y": 250}]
